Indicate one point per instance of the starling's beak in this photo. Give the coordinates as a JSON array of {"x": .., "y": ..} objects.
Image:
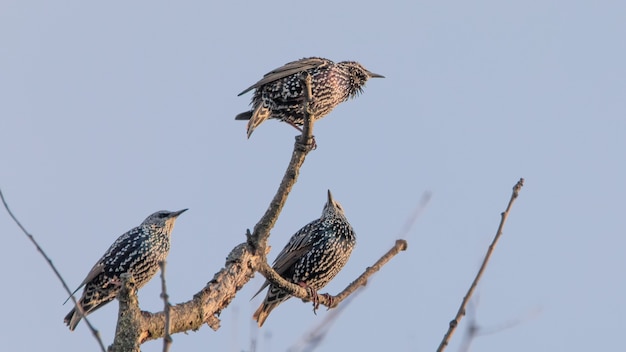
[
  {"x": 176, "y": 213},
  {"x": 374, "y": 75},
  {"x": 330, "y": 198}
]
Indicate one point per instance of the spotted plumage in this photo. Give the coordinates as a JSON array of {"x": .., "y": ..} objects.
[
  {"x": 137, "y": 252},
  {"x": 313, "y": 256},
  {"x": 280, "y": 94}
]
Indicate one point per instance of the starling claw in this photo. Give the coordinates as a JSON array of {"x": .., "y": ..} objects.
[
  {"x": 315, "y": 298},
  {"x": 331, "y": 300},
  {"x": 313, "y": 294},
  {"x": 312, "y": 145}
]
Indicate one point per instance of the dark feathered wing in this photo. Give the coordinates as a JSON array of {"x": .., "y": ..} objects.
[
  {"x": 287, "y": 70},
  {"x": 298, "y": 245}
]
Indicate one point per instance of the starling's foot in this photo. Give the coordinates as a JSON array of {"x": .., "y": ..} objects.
[
  {"x": 313, "y": 294},
  {"x": 331, "y": 300},
  {"x": 315, "y": 298},
  {"x": 312, "y": 145}
]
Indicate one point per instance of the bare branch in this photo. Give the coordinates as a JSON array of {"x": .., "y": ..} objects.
[
  {"x": 400, "y": 245},
  {"x": 327, "y": 300},
  {"x": 94, "y": 331},
  {"x": 461, "y": 312},
  {"x": 207, "y": 304},
  {"x": 167, "y": 339}
]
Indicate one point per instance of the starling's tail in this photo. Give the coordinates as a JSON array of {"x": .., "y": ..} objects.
[
  {"x": 255, "y": 118},
  {"x": 264, "y": 311},
  {"x": 244, "y": 116},
  {"x": 274, "y": 297},
  {"x": 72, "y": 318}
]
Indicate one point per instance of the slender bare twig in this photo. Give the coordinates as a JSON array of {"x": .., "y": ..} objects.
[
  {"x": 400, "y": 245},
  {"x": 461, "y": 312},
  {"x": 325, "y": 299},
  {"x": 94, "y": 331},
  {"x": 167, "y": 339}
]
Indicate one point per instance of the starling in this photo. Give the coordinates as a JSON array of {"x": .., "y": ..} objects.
[
  {"x": 313, "y": 256},
  {"x": 137, "y": 252},
  {"x": 280, "y": 94}
]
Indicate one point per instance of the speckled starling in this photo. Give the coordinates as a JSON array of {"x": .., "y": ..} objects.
[
  {"x": 280, "y": 94},
  {"x": 313, "y": 256},
  {"x": 137, "y": 252}
]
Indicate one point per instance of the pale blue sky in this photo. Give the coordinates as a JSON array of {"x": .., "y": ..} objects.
[{"x": 113, "y": 110}]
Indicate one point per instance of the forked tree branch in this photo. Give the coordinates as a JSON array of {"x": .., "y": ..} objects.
[
  {"x": 461, "y": 312},
  {"x": 243, "y": 261}
]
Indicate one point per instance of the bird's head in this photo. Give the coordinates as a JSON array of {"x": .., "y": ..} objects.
[
  {"x": 163, "y": 218},
  {"x": 358, "y": 76},
  {"x": 332, "y": 208}
]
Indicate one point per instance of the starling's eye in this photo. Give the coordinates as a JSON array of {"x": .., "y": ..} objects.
[{"x": 162, "y": 215}]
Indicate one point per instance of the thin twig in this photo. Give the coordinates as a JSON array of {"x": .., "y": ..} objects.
[
  {"x": 324, "y": 299},
  {"x": 167, "y": 339},
  {"x": 94, "y": 331},
  {"x": 400, "y": 246},
  {"x": 461, "y": 312}
]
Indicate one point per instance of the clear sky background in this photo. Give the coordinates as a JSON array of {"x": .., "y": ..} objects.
[{"x": 110, "y": 111}]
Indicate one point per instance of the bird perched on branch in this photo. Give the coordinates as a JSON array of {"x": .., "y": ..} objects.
[
  {"x": 281, "y": 93},
  {"x": 137, "y": 252},
  {"x": 313, "y": 256}
]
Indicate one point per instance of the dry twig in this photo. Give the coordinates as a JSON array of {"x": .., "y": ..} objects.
[
  {"x": 94, "y": 331},
  {"x": 461, "y": 312}
]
